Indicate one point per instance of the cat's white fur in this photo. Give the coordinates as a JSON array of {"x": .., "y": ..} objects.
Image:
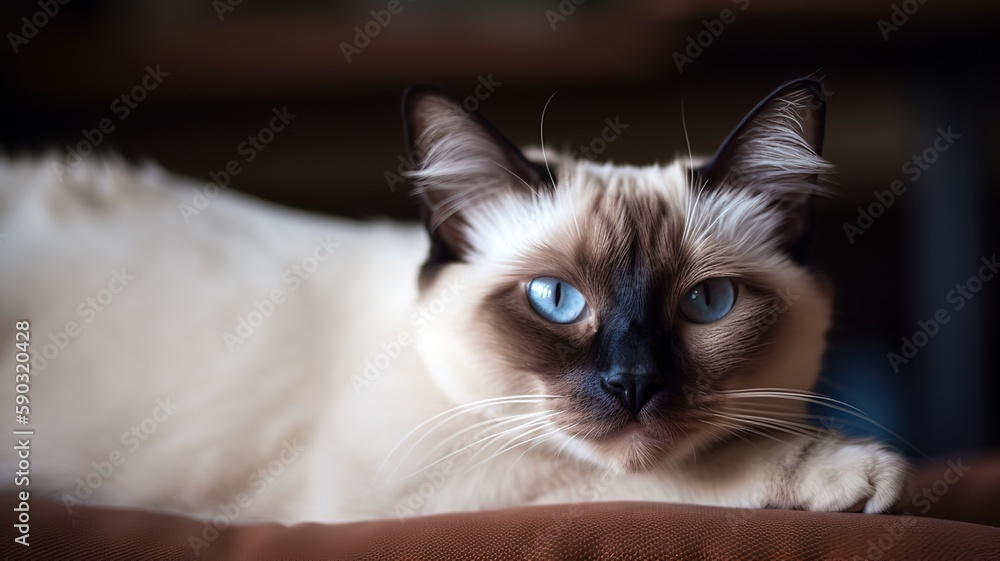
[{"x": 294, "y": 397}]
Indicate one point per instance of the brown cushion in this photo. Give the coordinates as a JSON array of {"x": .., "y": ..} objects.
[
  {"x": 597, "y": 530},
  {"x": 587, "y": 531},
  {"x": 974, "y": 497}
]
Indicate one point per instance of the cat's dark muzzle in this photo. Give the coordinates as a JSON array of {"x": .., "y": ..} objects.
[{"x": 633, "y": 391}]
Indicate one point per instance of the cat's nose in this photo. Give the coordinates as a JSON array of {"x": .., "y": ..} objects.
[{"x": 634, "y": 390}]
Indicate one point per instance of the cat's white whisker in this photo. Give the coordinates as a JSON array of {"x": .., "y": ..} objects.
[
  {"x": 780, "y": 392},
  {"x": 741, "y": 427},
  {"x": 687, "y": 143},
  {"x": 529, "y": 424},
  {"x": 769, "y": 424},
  {"x": 764, "y": 408},
  {"x": 727, "y": 429},
  {"x": 568, "y": 438},
  {"x": 541, "y": 138},
  {"x": 822, "y": 401},
  {"x": 490, "y": 424},
  {"x": 533, "y": 426},
  {"x": 510, "y": 443},
  {"x": 551, "y": 435},
  {"x": 518, "y": 177},
  {"x": 784, "y": 422},
  {"x": 441, "y": 423},
  {"x": 852, "y": 421},
  {"x": 694, "y": 448},
  {"x": 507, "y": 419},
  {"x": 462, "y": 409}
]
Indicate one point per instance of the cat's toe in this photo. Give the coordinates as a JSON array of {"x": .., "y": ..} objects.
[{"x": 851, "y": 476}]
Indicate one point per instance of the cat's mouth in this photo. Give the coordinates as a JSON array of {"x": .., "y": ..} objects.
[
  {"x": 633, "y": 447},
  {"x": 617, "y": 438},
  {"x": 633, "y": 429}
]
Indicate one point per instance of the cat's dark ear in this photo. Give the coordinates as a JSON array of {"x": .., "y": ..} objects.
[
  {"x": 459, "y": 160},
  {"x": 776, "y": 150}
]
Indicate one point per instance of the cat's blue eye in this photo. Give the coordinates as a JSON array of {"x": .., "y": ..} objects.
[
  {"x": 556, "y": 300},
  {"x": 709, "y": 301}
]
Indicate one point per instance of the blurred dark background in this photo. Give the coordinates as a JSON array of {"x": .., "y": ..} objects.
[{"x": 893, "y": 86}]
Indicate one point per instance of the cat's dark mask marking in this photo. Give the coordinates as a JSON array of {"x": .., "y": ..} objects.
[
  {"x": 733, "y": 167},
  {"x": 429, "y": 115}
]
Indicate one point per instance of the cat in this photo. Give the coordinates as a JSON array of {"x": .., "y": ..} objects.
[{"x": 554, "y": 331}]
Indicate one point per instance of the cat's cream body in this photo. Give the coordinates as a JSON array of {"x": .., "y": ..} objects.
[
  {"x": 295, "y": 381},
  {"x": 243, "y": 361}
]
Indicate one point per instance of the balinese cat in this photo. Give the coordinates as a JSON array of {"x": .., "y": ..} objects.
[{"x": 556, "y": 331}]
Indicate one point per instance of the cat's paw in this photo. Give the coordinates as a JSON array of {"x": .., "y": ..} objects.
[{"x": 839, "y": 475}]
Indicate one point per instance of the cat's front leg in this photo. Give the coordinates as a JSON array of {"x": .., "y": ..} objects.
[{"x": 832, "y": 473}]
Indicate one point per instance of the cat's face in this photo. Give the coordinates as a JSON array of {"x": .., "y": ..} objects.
[{"x": 633, "y": 296}]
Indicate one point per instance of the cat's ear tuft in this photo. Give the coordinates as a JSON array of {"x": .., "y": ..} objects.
[
  {"x": 776, "y": 150},
  {"x": 459, "y": 160},
  {"x": 778, "y": 144}
]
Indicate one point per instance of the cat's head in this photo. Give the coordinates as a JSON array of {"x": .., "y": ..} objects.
[{"x": 636, "y": 296}]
